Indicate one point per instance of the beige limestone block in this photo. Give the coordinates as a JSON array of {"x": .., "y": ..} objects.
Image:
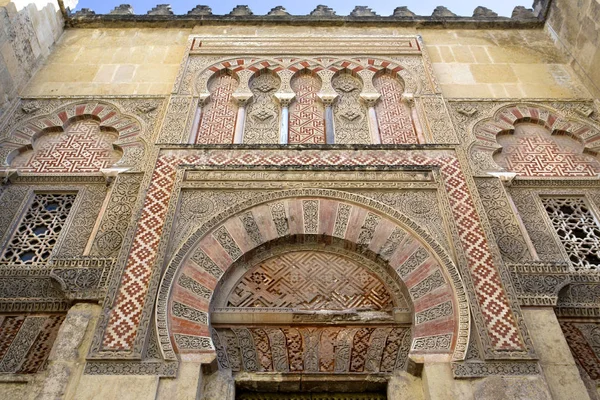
[
  {"x": 480, "y": 54},
  {"x": 446, "y": 54},
  {"x": 558, "y": 365},
  {"x": 439, "y": 384},
  {"x": 111, "y": 387},
  {"x": 434, "y": 54},
  {"x": 105, "y": 73},
  {"x": 14, "y": 391},
  {"x": 403, "y": 385},
  {"x": 7, "y": 55},
  {"x": 463, "y": 54},
  {"x": 453, "y": 74},
  {"x": 124, "y": 73},
  {"x": 467, "y": 91},
  {"x": 514, "y": 388},
  {"x": 185, "y": 386},
  {"x": 493, "y": 73},
  {"x": 218, "y": 385}
]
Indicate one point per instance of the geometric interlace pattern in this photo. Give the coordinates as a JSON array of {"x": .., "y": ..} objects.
[
  {"x": 584, "y": 341},
  {"x": 532, "y": 151},
  {"x": 39, "y": 229},
  {"x": 307, "y": 114},
  {"x": 217, "y": 123},
  {"x": 125, "y": 317},
  {"x": 83, "y": 148},
  {"x": 26, "y": 341},
  {"x": 311, "y": 280},
  {"x": 395, "y": 123},
  {"x": 577, "y": 229}
]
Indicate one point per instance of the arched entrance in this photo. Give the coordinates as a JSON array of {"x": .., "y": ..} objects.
[{"x": 200, "y": 284}]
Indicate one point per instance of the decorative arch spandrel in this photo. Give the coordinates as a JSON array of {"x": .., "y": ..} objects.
[
  {"x": 82, "y": 137},
  {"x": 414, "y": 262}
]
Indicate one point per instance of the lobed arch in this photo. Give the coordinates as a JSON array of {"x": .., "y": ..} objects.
[
  {"x": 384, "y": 237},
  {"x": 488, "y": 130},
  {"x": 127, "y": 129},
  {"x": 315, "y": 64}
]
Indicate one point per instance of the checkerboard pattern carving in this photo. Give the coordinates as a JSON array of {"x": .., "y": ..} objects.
[
  {"x": 393, "y": 118},
  {"x": 217, "y": 123},
  {"x": 307, "y": 114},
  {"x": 83, "y": 148},
  {"x": 500, "y": 321}
]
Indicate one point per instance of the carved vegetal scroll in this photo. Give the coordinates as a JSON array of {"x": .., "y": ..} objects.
[
  {"x": 262, "y": 120},
  {"x": 350, "y": 114}
]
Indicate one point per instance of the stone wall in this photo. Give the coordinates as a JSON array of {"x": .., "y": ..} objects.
[
  {"x": 28, "y": 32},
  {"x": 575, "y": 26}
]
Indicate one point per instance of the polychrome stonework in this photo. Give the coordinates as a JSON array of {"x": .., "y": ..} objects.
[{"x": 311, "y": 207}]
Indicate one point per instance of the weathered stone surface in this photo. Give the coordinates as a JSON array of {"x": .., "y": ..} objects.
[
  {"x": 521, "y": 388},
  {"x": 219, "y": 385},
  {"x": 322, "y": 11},
  {"x": 442, "y": 12},
  {"x": 278, "y": 11},
  {"x": 200, "y": 10},
  {"x": 362, "y": 11},
  {"x": 161, "y": 9},
  {"x": 241, "y": 11},
  {"x": 482, "y": 12},
  {"x": 403, "y": 11},
  {"x": 123, "y": 9},
  {"x": 521, "y": 12}
]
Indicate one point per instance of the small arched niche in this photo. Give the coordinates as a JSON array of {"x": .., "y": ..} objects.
[
  {"x": 82, "y": 146},
  {"x": 393, "y": 116},
  {"x": 217, "y": 122},
  {"x": 307, "y": 112},
  {"x": 324, "y": 308},
  {"x": 262, "y": 120},
  {"x": 533, "y": 150},
  {"x": 350, "y": 113}
]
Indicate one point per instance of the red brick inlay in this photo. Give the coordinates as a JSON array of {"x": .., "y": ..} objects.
[{"x": 124, "y": 318}]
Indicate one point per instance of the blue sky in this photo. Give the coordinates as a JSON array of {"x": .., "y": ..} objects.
[{"x": 342, "y": 7}]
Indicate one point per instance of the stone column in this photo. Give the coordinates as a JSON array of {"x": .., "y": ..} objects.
[
  {"x": 197, "y": 118},
  {"x": 67, "y": 358},
  {"x": 329, "y": 127},
  {"x": 284, "y": 100},
  {"x": 556, "y": 360},
  {"x": 242, "y": 100},
  {"x": 328, "y": 96},
  {"x": 408, "y": 99},
  {"x": 371, "y": 99}
]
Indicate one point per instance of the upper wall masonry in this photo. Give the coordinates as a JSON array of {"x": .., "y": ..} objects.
[{"x": 123, "y": 15}]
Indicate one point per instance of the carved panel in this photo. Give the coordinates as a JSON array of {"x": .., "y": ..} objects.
[
  {"x": 117, "y": 216},
  {"x": 311, "y": 281},
  {"x": 316, "y": 349},
  {"x": 26, "y": 341},
  {"x": 505, "y": 227},
  {"x": 217, "y": 123},
  {"x": 82, "y": 148},
  {"x": 307, "y": 113},
  {"x": 350, "y": 114},
  {"x": 393, "y": 117},
  {"x": 262, "y": 115},
  {"x": 584, "y": 341},
  {"x": 533, "y": 151}
]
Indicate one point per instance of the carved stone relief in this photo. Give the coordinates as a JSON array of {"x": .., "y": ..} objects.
[
  {"x": 350, "y": 114},
  {"x": 262, "y": 115},
  {"x": 505, "y": 227}
]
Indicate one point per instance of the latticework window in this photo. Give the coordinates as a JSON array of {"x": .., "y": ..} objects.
[
  {"x": 39, "y": 229},
  {"x": 577, "y": 229}
]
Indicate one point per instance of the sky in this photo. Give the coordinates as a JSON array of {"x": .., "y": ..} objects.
[{"x": 295, "y": 7}]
